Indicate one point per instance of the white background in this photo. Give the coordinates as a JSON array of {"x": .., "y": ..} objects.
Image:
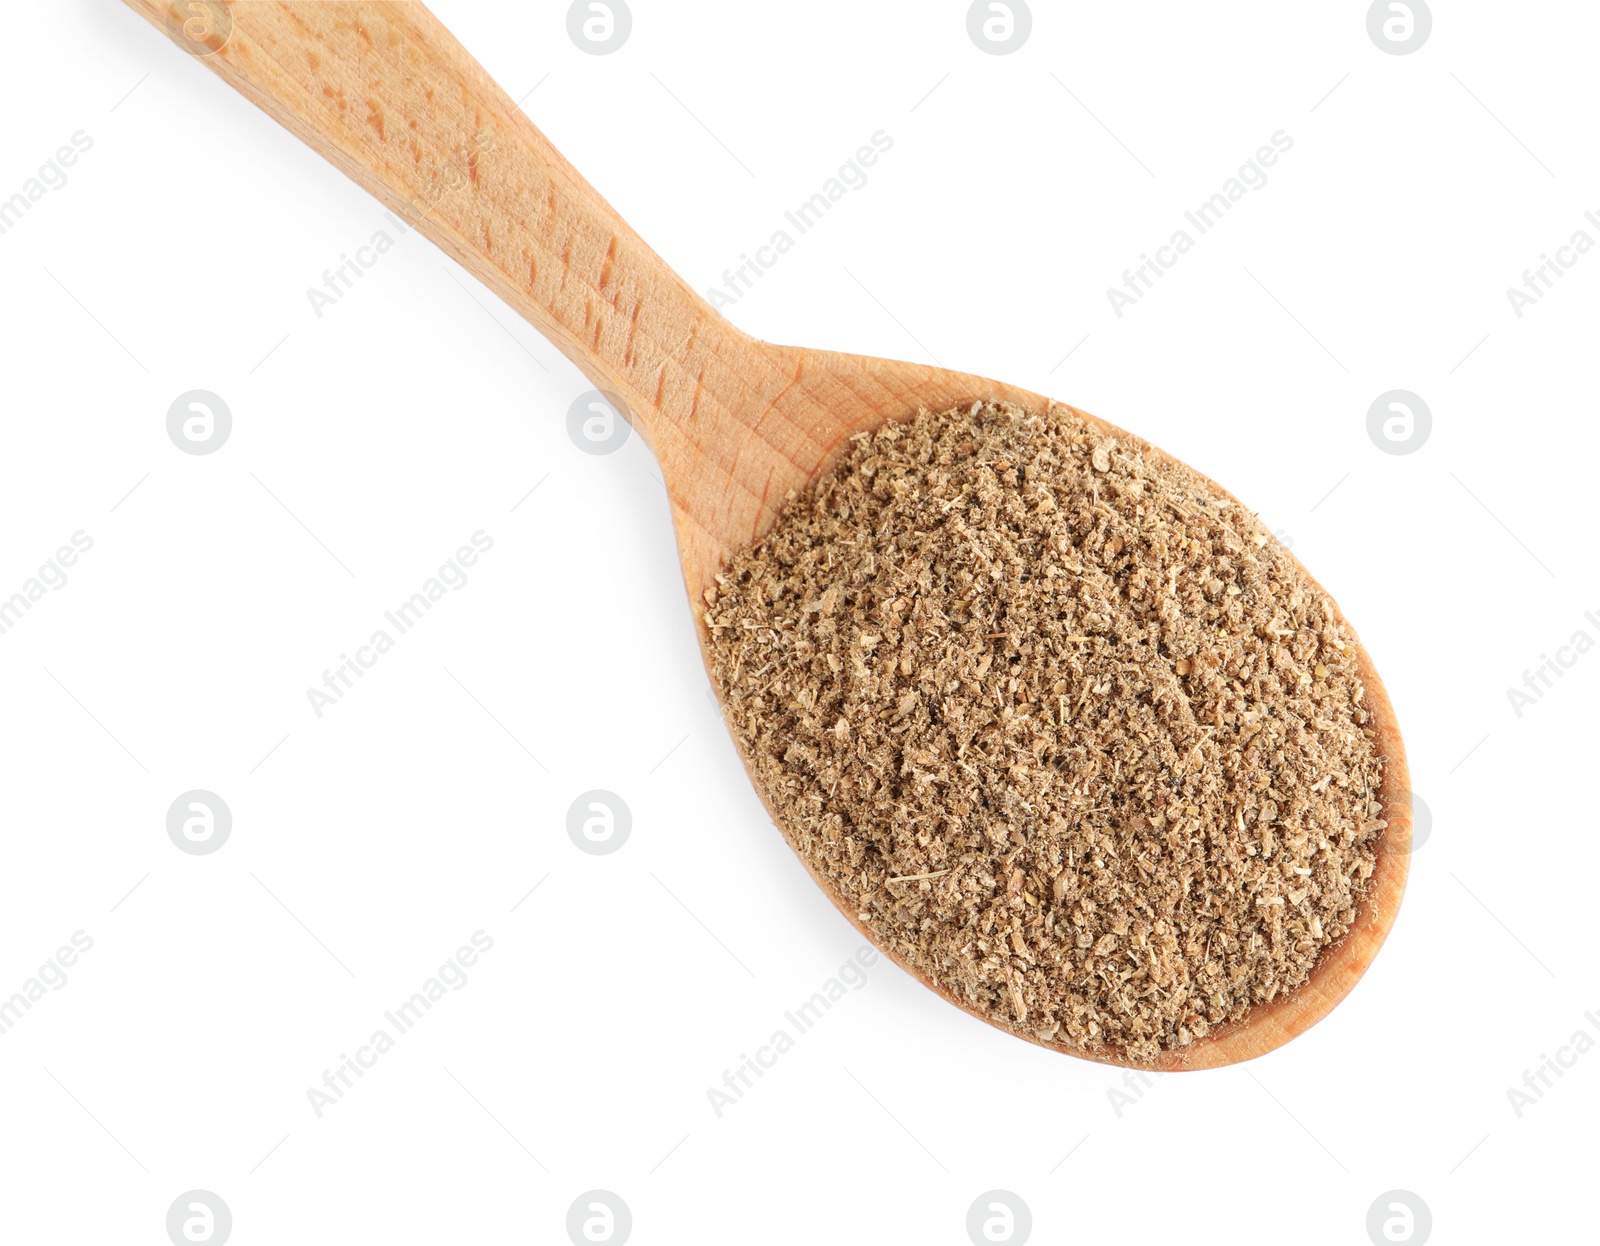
[{"x": 371, "y": 442}]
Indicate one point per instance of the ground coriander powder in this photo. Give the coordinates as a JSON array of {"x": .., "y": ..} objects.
[{"x": 1073, "y": 736}]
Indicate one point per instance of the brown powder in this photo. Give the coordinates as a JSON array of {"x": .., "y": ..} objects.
[{"x": 1071, "y": 733}]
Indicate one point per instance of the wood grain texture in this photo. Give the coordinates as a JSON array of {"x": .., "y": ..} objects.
[{"x": 383, "y": 91}]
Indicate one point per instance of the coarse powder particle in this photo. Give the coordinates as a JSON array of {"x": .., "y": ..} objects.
[{"x": 1072, "y": 735}]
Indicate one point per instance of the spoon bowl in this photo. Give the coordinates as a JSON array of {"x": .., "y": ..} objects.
[{"x": 383, "y": 91}]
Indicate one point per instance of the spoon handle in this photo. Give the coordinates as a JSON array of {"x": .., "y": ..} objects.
[{"x": 389, "y": 96}]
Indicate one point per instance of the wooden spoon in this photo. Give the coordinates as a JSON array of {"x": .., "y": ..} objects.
[{"x": 384, "y": 91}]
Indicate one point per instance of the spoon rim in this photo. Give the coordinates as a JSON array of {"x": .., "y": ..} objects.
[{"x": 1339, "y": 965}]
